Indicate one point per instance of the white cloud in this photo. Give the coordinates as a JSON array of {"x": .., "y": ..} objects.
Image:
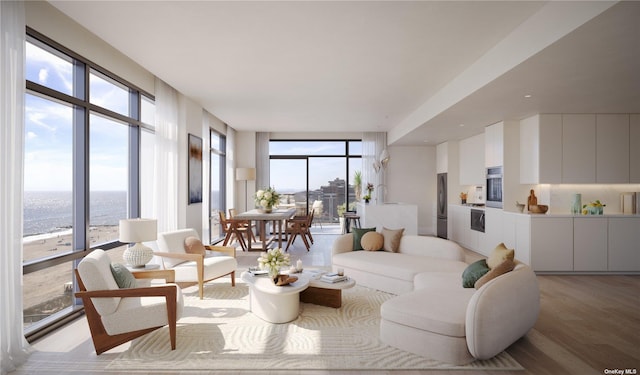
[
  {"x": 31, "y": 135},
  {"x": 43, "y": 75}
]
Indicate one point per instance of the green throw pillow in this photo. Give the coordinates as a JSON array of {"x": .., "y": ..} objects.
[
  {"x": 357, "y": 236},
  {"x": 124, "y": 278},
  {"x": 473, "y": 272}
]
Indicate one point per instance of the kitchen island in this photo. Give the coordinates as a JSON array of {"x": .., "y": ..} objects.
[{"x": 389, "y": 215}]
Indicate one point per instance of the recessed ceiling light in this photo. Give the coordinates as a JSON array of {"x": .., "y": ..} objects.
[
  {"x": 528, "y": 96},
  {"x": 461, "y": 125}
]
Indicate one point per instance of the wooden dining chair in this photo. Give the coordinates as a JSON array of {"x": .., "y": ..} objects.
[
  {"x": 231, "y": 230},
  {"x": 299, "y": 226},
  {"x": 244, "y": 226}
]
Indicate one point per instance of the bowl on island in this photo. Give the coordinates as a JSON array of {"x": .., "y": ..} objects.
[{"x": 538, "y": 208}]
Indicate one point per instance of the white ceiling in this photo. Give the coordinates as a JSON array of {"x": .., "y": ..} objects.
[{"x": 374, "y": 66}]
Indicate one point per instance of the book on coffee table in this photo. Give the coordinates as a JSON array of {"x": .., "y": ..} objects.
[{"x": 333, "y": 278}]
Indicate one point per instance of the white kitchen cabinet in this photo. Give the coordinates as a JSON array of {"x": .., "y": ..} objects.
[
  {"x": 578, "y": 148},
  {"x": 472, "y": 169},
  {"x": 590, "y": 244},
  {"x": 551, "y": 244},
  {"x": 541, "y": 149},
  {"x": 612, "y": 148},
  {"x": 493, "y": 145},
  {"x": 493, "y": 231},
  {"x": 461, "y": 232},
  {"x": 456, "y": 219},
  {"x": 624, "y": 244},
  {"x": 634, "y": 149},
  {"x": 442, "y": 157}
]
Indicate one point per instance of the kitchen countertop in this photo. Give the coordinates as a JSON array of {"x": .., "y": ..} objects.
[{"x": 548, "y": 214}]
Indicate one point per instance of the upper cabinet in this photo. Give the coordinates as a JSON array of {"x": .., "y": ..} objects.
[
  {"x": 442, "y": 158},
  {"x": 580, "y": 148},
  {"x": 472, "y": 169},
  {"x": 612, "y": 148},
  {"x": 541, "y": 149},
  {"x": 493, "y": 145}
]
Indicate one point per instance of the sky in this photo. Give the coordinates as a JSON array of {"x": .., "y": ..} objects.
[
  {"x": 49, "y": 130},
  {"x": 49, "y": 138}
]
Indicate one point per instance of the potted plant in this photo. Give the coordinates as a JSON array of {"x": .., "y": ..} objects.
[{"x": 357, "y": 184}]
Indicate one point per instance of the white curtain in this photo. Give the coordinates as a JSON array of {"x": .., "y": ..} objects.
[
  {"x": 231, "y": 167},
  {"x": 262, "y": 160},
  {"x": 165, "y": 191},
  {"x": 14, "y": 348},
  {"x": 372, "y": 145}
]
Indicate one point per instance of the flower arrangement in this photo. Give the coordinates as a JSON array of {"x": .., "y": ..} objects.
[
  {"x": 267, "y": 198},
  {"x": 593, "y": 208},
  {"x": 272, "y": 260}
]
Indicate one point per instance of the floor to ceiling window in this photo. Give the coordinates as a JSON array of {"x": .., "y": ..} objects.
[
  {"x": 315, "y": 171},
  {"x": 84, "y": 129}
]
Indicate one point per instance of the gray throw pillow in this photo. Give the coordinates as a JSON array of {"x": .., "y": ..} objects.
[{"x": 124, "y": 278}]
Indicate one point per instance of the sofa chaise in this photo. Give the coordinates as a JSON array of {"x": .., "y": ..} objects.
[{"x": 433, "y": 315}]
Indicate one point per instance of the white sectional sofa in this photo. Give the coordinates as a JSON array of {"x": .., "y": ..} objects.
[{"x": 433, "y": 315}]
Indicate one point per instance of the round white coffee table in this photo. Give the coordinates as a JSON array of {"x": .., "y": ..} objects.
[{"x": 274, "y": 304}]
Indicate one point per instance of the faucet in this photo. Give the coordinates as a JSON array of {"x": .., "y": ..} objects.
[{"x": 380, "y": 186}]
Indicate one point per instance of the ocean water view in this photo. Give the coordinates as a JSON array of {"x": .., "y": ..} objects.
[{"x": 49, "y": 212}]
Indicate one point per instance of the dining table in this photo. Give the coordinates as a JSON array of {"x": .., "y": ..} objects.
[{"x": 277, "y": 216}]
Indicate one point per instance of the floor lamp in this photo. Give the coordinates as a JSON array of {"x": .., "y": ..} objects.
[{"x": 245, "y": 174}]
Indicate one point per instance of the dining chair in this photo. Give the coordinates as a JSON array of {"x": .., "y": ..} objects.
[
  {"x": 299, "y": 226},
  {"x": 244, "y": 226},
  {"x": 230, "y": 228}
]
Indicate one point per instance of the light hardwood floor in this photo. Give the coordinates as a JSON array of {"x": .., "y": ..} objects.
[{"x": 587, "y": 324}]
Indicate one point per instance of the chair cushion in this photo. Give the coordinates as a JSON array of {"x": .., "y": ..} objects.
[
  {"x": 193, "y": 245},
  {"x": 214, "y": 267},
  {"x": 148, "y": 312},
  {"x": 372, "y": 241},
  {"x": 392, "y": 239},
  {"x": 124, "y": 278},
  {"x": 357, "y": 237},
  {"x": 95, "y": 272},
  {"x": 173, "y": 242}
]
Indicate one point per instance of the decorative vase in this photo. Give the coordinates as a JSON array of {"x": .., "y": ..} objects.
[
  {"x": 366, "y": 201},
  {"x": 358, "y": 192},
  {"x": 266, "y": 210},
  {"x": 576, "y": 204}
]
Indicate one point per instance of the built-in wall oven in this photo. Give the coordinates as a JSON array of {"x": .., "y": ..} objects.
[
  {"x": 494, "y": 187},
  {"x": 477, "y": 220}
]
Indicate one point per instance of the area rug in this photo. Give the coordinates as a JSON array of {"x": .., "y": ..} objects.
[{"x": 220, "y": 333}]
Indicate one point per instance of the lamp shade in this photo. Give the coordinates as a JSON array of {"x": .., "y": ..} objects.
[
  {"x": 138, "y": 230},
  {"x": 245, "y": 174}
]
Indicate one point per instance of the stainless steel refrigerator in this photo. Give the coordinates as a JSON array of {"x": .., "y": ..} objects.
[{"x": 442, "y": 205}]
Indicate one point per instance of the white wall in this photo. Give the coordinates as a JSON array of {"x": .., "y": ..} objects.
[
  {"x": 191, "y": 122},
  {"x": 411, "y": 178},
  {"x": 245, "y": 158}
]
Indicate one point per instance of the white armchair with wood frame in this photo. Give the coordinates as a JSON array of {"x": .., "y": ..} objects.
[
  {"x": 193, "y": 262},
  {"x": 117, "y": 315}
]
